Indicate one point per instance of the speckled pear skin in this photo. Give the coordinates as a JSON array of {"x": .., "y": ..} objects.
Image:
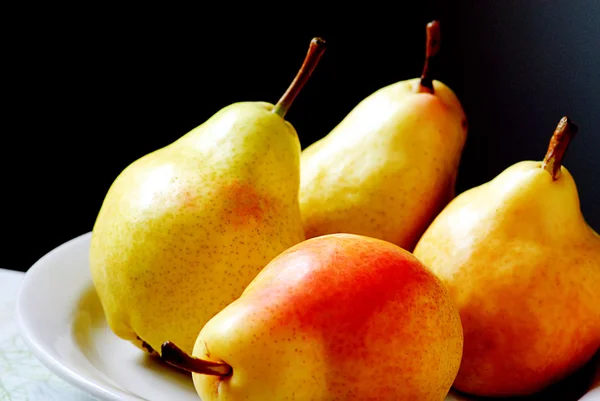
[
  {"x": 388, "y": 168},
  {"x": 338, "y": 317},
  {"x": 523, "y": 267},
  {"x": 183, "y": 230}
]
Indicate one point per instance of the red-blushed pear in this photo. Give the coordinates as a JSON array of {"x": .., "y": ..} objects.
[
  {"x": 390, "y": 166},
  {"x": 183, "y": 230},
  {"x": 337, "y": 317},
  {"x": 523, "y": 267}
]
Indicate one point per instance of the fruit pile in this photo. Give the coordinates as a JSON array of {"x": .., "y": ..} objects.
[{"x": 350, "y": 270}]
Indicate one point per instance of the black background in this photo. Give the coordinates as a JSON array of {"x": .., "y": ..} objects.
[{"x": 88, "y": 91}]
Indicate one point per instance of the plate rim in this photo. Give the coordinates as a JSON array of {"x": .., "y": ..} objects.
[{"x": 33, "y": 342}]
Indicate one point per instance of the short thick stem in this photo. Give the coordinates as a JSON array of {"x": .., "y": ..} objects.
[
  {"x": 315, "y": 51},
  {"x": 563, "y": 134},
  {"x": 175, "y": 356},
  {"x": 431, "y": 50}
]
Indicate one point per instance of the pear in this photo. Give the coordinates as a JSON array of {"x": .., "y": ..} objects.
[
  {"x": 523, "y": 267},
  {"x": 184, "y": 229},
  {"x": 338, "y": 317},
  {"x": 390, "y": 165}
]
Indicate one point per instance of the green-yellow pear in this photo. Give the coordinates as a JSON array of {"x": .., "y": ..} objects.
[
  {"x": 339, "y": 317},
  {"x": 183, "y": 230},
  {"x": 390, "y": 166},
  {"x": 523, "y": 267}
]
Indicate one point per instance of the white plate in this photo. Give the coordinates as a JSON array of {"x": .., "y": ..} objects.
[{"x": 62, "y": 322}]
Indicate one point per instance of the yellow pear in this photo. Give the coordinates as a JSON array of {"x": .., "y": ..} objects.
[
  {"x": 339, "y": 317},
  {"x": 184, "y": 229},
  {"x": 390, "y": 166},
  {"x": 523, "y": 267}
]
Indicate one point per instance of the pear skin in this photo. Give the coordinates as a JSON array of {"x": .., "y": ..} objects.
[
  {"x": 183, "y": 230},
  {"x": 389, "y": 166},
  {"x": 523, "y": 267},
  {"x": 338, "y": 317}
]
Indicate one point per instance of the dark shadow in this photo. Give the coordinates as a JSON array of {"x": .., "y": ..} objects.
[
  {"x": 570, "y": 389},
  {"x": 153, "y": 362}
]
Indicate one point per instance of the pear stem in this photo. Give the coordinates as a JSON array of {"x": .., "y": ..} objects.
[
  {"x": 431, "y": 50},
  {"x": 175, "y": 356},
  {"x": 564, "y": 132},
  {"x": 315, "y": 51}
]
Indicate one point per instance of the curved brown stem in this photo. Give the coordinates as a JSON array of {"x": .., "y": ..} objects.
[
  {"x": 564, "y": 132},
  {"x": 431, "y": 50},
  {"x": 315, "y": 51},
  {"x": 147, "y": 347},
  {"x": 175, "y": 356}
]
